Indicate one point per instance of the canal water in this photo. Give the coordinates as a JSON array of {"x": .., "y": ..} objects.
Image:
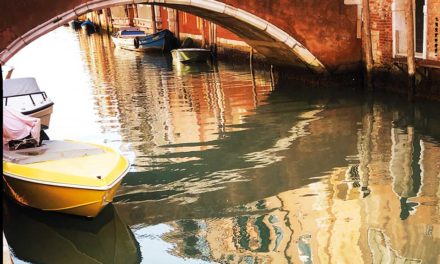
[{"x": 229, "y": 166}]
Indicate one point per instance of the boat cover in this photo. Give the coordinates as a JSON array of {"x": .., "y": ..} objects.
[
  {"x": 132, "y": 32},
  {"x": 18, "y": 126},
  {"x": 51, "y": 150},
  {"x": 20, "y": 86}
]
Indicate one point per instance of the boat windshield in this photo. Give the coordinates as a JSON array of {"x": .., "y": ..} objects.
[{"x": 20, "y": 86}]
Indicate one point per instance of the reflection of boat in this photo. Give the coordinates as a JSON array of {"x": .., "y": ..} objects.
[
  {"x": 163, "y": 40},
  {"x": 24, "y": 95},
  {"x": 191, "y": 54},
  {"x": 192, "y": 68},
  {"x": 64, "y": 176},
  {"x": 40, "y": 238},
  {"x": 88, "y": 26},
  {"x": 124, "y": 38}
]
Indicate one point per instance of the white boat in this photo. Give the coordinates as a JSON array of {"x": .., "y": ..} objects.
[
  {"x": 124, "y": 38},
  {"x": 190, "y": 54},
  {"x": 24, "y": 95}
]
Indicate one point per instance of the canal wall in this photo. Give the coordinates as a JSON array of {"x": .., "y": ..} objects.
[
  {"x": 324, "y": 38},
  {"x": 389, "y": 71},
  {"x": 203, "y": 32}
]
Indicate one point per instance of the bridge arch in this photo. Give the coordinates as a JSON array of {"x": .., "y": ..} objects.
[{"x": 269, "y": 40}]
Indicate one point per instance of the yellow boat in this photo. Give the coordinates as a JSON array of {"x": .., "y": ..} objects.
[{"x": 64, "y": 176}]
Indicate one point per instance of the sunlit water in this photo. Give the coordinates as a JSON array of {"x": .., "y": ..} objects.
[{"x": 229, "y": 168}]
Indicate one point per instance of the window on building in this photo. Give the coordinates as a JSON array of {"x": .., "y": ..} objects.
[
  {"x": 419, "y": 25},
  {"x": 399, "y": 28}
]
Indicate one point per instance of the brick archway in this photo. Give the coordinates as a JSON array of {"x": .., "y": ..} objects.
[{"x": 277, "y": 45}]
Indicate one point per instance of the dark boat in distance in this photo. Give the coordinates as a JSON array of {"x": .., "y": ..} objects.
[
  {"x": 76, "y": 24},
  {"x": 88, "y": 26},
  {"x": 163, "y": 41}
]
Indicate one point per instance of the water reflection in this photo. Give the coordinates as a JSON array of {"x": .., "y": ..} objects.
[
  {"x": 37, "y": 237},
  {"x": 228, "y": 169},
  {"x": 382, "y": 250}
]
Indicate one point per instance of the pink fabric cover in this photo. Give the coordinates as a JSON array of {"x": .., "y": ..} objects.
[{"x": 17, "y": 126}]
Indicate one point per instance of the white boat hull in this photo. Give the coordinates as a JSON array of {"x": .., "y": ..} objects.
[
  {"x": 124, "y": 43},
  {"x": 128, "y": 44}
]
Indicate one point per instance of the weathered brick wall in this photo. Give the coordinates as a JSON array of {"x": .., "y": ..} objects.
[
  {"x": 381, "y": 31},
  {"x": 433, "y": 40}
]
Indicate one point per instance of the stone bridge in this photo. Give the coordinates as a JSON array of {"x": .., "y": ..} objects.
[{"x": 315, "y": 34}]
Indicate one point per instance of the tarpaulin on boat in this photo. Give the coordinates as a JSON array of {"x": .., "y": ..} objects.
[
  {"x": 17, "y": 126},
  {"x": 20, "y": 86}
]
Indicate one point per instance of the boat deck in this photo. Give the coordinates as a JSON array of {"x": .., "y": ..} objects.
[{"x": 51, "y": 150}]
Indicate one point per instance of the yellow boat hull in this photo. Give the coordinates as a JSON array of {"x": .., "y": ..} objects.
[
  {"x": 83, "y": 202},
  {"x": 64, "y": 176}
]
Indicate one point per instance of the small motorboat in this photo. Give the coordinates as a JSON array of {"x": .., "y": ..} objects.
[
  {"x": 124, "y": 38},
  {"x": 64, "y": 176},
  {"x": 187, "y": 55},
  {"x": 88, "y": 26},
  {"x": 163, "y": 41},
  {"x": 24, "y": 95}
]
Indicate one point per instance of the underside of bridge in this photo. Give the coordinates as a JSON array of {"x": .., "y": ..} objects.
[
  {"x": 273, "y": 45},
  {"x": 307, "y": 34}
]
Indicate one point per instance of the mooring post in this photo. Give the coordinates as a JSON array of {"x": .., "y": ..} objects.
[
  {"x": 202, "y": 31},
  {"x": 368, "y": 51},
  {"x": 153, "y": 19},
  {"x": 410, "y": 49},
  {"x": 251, "y": 57},
  {"x": 176, "y": 24},
  {"x": 213, "y": 38},
  {"x": 272, "y": 78}
]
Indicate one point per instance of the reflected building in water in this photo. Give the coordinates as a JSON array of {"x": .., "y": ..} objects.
[
  {"x": 350, "y": 216},
  {"x": 356, "y": 182},
  {"x": 146, "y": 97}
]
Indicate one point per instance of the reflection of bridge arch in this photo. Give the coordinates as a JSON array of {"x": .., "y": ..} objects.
[{"x": 274, "y": 43}]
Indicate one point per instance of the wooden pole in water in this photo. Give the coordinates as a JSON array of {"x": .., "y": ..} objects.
[
  {"x": 213, "y": 38},
  {"x": 272, "y": 78},
  {"x": 368, "y": 51},
  {"x": 410, "y": 48},
  {"x": 202, "y": 31},
  {"x": 251, "y": 57},
  {"x": 176, "y": 24},
  {"x": 153, "y": 19}
]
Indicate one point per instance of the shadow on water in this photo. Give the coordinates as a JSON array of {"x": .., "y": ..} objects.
[{"x": 41, "y": 237}]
